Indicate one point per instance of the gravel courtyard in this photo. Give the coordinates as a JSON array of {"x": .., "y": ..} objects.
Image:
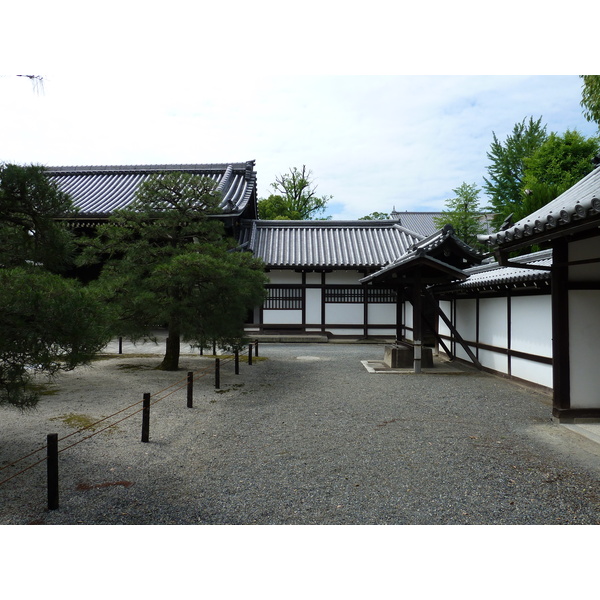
[{"x": 304, "y": 435}]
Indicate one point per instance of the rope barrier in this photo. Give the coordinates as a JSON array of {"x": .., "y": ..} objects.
[{"x": 198, "y": 374}]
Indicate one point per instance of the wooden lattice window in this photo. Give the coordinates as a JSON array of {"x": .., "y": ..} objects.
[
  {"x": 345, "y": 295},
  {"x": 283, "y": 298},
  {"x": 382, "y": 295},
  {"x": 356, "y": 295}
]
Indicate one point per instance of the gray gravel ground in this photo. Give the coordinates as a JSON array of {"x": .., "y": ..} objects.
[{"x": 303, "y": 436}]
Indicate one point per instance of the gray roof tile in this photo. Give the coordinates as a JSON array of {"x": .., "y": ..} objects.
[
  {"x": 579, "y": 203},
  {"x": 97, "y": 191},
  {"x": 327, "y": 244},
  {"x": 490, "y": 275}
]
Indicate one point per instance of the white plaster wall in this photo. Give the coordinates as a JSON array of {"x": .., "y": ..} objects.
[
  {"x": 344, "y": 314},
  {"x": 408, "y": 318},
  {"x": 493, "y": 322},
  {"x": 581, "y": 250},
  {"x": 382, "y": 332},
  {"x": 531, "y": 371},
  {"x": 382, "y": 314},
  {"x": 584, "y": 332},
  {"x": 343, "y": 277},
  {"x": 283, "y": 276},
  {"x": 313, "y": 278},
  {"x": 466, "y": 319},
  {"x": 341, "y": 331},
  {"x": 531, "y": 325},
  {"x": 465, "y": 325},
  {"x": 274, "y": 317},
  {"x": 446, "y": 307},
  {"x": 491, "y": 360},
  {"x": 313, "y": 305}
]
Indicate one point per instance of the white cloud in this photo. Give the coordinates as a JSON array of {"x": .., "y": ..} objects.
[{"x": 126, "y": 84}]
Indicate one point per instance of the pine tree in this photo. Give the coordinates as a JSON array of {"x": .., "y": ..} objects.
[
  {"x": 462, "y": 212},
  {"x": 167, "y": 263}
]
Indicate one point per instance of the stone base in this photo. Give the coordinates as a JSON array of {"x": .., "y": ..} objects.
[{"x": 402, "y": 357}]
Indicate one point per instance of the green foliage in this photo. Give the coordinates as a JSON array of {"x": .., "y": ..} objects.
[
  {"x": 29, "y": 207},
  {"x": 559, "y": 163},
  {"x": 276, "y": 208},
  {"x": 375, "y": 216},
  {"x": 296, "y": 198},
  {"x": 463, "y": 214},
  {"x": 166, "y": 262},
  {"x": 48, "y": 324},
  {"x": 507, "y": 169},
  {"x": 590, "y": 98},
  {"x": 562, "y": 160}
]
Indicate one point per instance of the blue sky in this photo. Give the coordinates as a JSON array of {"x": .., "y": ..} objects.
[{"x": 378, "y": 128}]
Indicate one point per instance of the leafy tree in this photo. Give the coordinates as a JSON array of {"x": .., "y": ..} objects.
[
  {"x": 559, "y": 163},
  {"x": 507, "y": 169},
  {"x": 30, "y": 206},
  {"x": 276, "y": 208},
  {"x": 375, "y": 216},
  {"x": 590, "y": 98},
  {"x": 296, "y": 197},
  {"x": 166, "y": 262},
  {"x": 47, "y": 323},
  {"x": 562, "y": 160},
  {"x": 463, "y": 214}
]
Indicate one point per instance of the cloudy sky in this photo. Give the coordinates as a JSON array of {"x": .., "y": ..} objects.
[{"x": 366, "y": 102}]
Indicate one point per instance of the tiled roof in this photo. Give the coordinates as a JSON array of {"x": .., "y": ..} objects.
[
  {"x": 98, "y": 191},
  {"x": 491, "y": 275},
  {"x": 574, "y": 207},
  {"x": 427, "y": 247},
  {"x": 327, "y": 244},
  {"x": 439, "y": 237},
  {"x": 424, "y": 222},
  {"x": 419, "y": 222}
]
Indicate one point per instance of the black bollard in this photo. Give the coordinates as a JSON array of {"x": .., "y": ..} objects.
[
  {"x": 146, "y": 418},
  {"x": 190, "y": 389},
  {"x": 52, "y": 464}
]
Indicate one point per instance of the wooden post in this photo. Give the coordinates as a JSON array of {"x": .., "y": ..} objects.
[
  {"x": 217, "y": 373},
  {"x": 237, "y": 361},
  {"x": 417, "y": 323},
  {"x": 190, "y": 389},
  {"x": 250, "y": 354},
  {"x": 120, "y": 345},
  {"x": 146, "y": 418},
  {"x": 256, "y": 348},
  {"x": 52, "y": 464}
]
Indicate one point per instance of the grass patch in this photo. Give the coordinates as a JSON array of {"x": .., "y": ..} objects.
[
  {"x": 235, "y": 386},
  {"x": 130, "y": 367},
  {"x": 42, "y": 389},
  {"x": 79, "y": 421}
]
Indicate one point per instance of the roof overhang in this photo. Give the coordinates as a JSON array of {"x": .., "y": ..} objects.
[{"x": 416, "y": 267}]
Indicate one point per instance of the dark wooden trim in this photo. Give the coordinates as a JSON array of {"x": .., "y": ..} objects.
[
  {"x": 303, "y": 297},
  {"x": 560, "y": 327},
  {"x": 365, "y": 311},
  {"x": 477, "y": 321},
  {"x": 530, "y": 384},
  {"x": 584, "y": 285},
  {"x": 509, "y": 329},
  {"x": 569, "y": 414},
  {"x": 546, "y": 360},
  {"x": 541, "y": 287}
]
